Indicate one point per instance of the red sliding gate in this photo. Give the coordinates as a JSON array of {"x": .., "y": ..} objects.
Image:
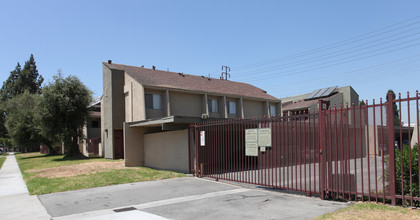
[{"x": 351, "y": 153}]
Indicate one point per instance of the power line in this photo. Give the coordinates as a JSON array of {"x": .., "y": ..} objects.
[
  {"x": 331, "y": 55},
  {"x": 334, "y": 45},
  {"x": 328, "y": 64}
]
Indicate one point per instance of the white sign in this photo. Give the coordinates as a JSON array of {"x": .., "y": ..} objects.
[
  {"x": 251, "y": 136},
  {"x": 251, "y": 142},
  {"x": 262, "y": 149},
  {"x": 251, "y": 149},
  {"x": 264, "y": 137},
  {"x": 202, "y": 138}
]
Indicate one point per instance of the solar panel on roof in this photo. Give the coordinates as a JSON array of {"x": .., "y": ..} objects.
[
  {"x": 313, "y": 94},
  {"x": 328, "y": 91},
  {"x": 321, "y": 93}
]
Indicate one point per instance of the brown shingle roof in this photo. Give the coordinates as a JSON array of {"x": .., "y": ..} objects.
[
  {"x": 302, "y": 104},
  {"x": 165, "y": 79},
  {"x": 299, "y": 105}
]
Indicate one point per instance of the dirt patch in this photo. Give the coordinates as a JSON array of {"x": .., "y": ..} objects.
[{"x": 78, "y": 169}]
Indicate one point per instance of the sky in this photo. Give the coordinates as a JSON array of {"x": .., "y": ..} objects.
[{"x": 284, "y": 47}]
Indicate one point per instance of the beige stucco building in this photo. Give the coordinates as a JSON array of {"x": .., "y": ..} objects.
[
  {"x": 146, "y": 112},
  {"x": 335, "y": 96}
]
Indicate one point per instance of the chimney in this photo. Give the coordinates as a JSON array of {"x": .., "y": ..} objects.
[
  {"x": 154, "y": 68},
  {"x": 109, "y": 61}
]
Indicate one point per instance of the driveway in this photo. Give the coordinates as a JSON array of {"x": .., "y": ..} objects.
[{"x": 184, "y": 198}]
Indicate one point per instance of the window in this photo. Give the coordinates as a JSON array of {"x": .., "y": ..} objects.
[
  {"x": 231, "y": 107},
  {"x": 272, "y": 110},
  {"x": 153, "y": 101},
  {"x": 94, "y": 124},
  {"x": 213, "y": 105}
]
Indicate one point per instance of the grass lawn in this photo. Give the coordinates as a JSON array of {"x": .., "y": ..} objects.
[
  {"x": 2, "y": 159},
  {"x": 48, "y": 174},
  {"x": 363, "y": 210}
]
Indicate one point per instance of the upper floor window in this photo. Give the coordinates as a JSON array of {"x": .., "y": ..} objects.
[
  {"x": 94, "y": 124},
  {"x": 231, "y": 107},
  {"x": 213, "y": 105},
  {"x": 153, "y": 101},
  {"x": 272, "y": 110}
]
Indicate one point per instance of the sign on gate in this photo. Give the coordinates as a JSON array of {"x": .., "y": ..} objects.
[
  {"x": 264, "y": 137},
  {"x": 202, "y": 138},
  {"x": 251, "y": 142},
  {"x": 254, "y": 138}
]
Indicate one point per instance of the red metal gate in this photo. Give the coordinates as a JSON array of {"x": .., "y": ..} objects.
[
  {"x": 292, "y": 162},
  {"x": 346, "y": 153}
]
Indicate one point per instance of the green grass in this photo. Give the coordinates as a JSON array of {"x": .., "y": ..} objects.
[
  {"x": 42, "y": 185},
  {"x": 372, "y": 211},
  {"x": 2, "y": 159},
  {"x": 41, "y": 161}
]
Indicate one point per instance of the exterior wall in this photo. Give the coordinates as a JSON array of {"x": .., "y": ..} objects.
[
  {"x": 186, "y": 104},
  {"x": 167, "y": 150},
  {"x": 133, "y": 146},
  {"x": 349, "y": 95},
  {"x": 134, "y": 100},
  {"x": 101, "y": 146},
  {"x": 253, "y": 108},
  {"x": 83, "y": 143},
  {"x": 113, "y": 108},
  {"x": 336, "y": 100},
  {"x": 415, "y": 137}
]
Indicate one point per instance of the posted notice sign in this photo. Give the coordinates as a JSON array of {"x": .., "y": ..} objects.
[
  {"x": 264, "y": 137},
  {"x": 251, "y": 142},
  {"x": 251, "y": 149},
  {"x": 257, "y": 137},
  {"x": 202, "y": 138}
]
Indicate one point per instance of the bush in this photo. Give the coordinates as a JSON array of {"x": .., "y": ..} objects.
[{"x": 403, "y": 179}]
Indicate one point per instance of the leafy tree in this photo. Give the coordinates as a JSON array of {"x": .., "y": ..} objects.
[
  {"x": 19, "y": 81},
  {"x": 21, "y": 121},
  {"x": 8, "y": 90},
  {"x": 394, "y": 105},
  {"x": 64, "y": 111}
]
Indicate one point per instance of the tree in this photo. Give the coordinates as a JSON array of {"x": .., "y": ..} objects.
[
  {"x": 29, "y": 78},
  {"x": 396, "y": 113},
  {"x": 64, "y": 111},
  {"x": 22, "y": 122},
  {"x": 7, "y": 91},
  {"x": 19, "y": 81}
]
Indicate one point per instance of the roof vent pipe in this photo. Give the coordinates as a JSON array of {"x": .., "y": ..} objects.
[
  {"x": 109, "y": 61},
  {"x": 154, "y": 68}
]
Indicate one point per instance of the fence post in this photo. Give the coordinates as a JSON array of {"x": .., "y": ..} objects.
[
  {"x": 321, "y": 145},
  {"x": 391, "y": 139},
  {"x": 196, "y": 150}
]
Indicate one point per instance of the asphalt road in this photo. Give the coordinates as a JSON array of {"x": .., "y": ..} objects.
[{"x": 185, "y": 198}]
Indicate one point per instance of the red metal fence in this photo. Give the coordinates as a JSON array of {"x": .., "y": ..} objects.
[{"x": 351, "y": 153}]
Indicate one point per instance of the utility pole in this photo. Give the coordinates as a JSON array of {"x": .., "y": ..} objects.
[{"x": 226, "y": 68}]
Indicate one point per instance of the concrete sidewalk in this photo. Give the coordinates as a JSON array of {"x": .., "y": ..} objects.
[{"x": 16, "y": 203}]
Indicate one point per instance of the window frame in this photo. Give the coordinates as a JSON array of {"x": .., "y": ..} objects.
[
  {"x": 151, "y": 102},
  {"x": 213, "y": 103},
  {"x": 229, "y": 109}
]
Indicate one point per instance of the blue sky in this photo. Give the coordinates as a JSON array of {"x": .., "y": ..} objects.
[{"x": 295, "y": 45}]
